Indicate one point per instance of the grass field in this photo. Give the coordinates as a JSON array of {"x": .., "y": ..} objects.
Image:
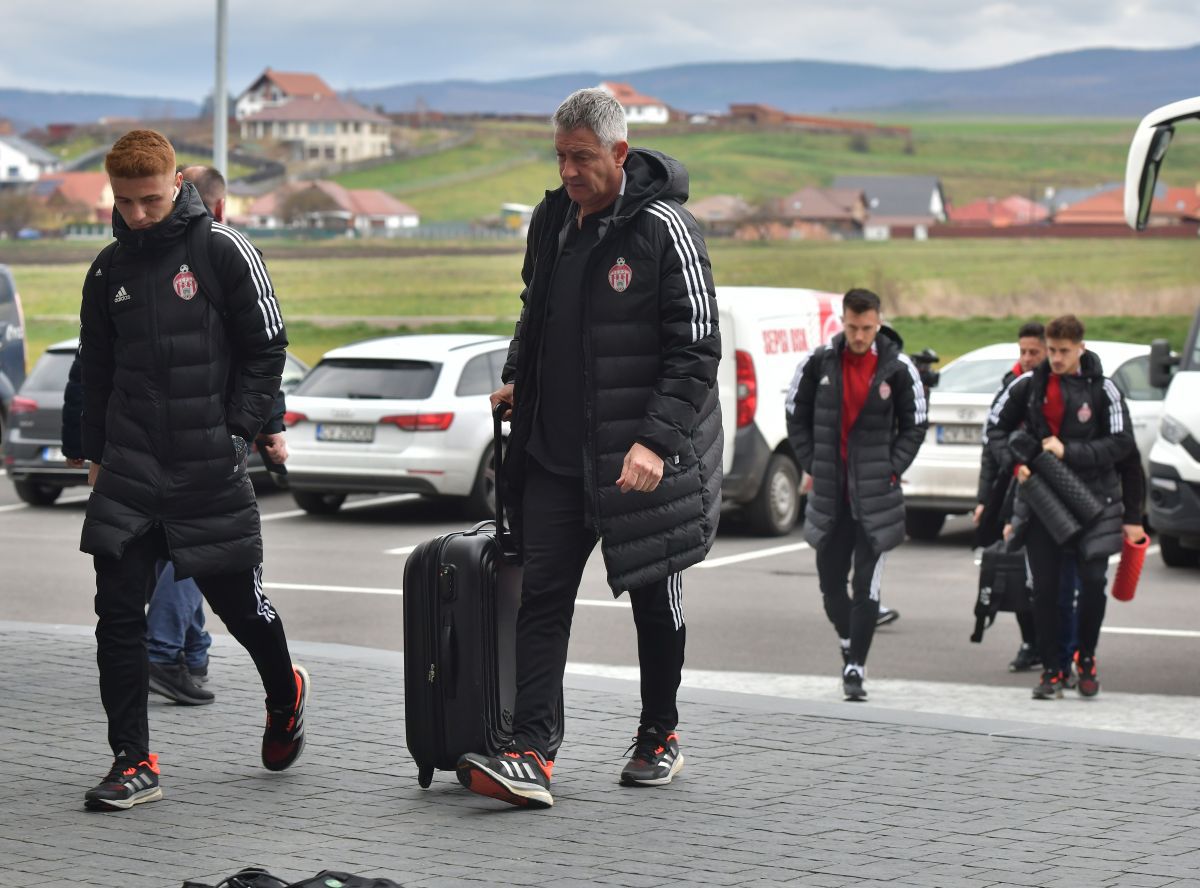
[{"x": 973, "y": 159}]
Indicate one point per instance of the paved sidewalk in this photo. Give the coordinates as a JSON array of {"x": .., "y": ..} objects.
[{"x": 775, "y": 791}]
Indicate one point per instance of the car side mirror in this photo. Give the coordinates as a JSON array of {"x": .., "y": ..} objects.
[{"x": 1161, "y": 363}]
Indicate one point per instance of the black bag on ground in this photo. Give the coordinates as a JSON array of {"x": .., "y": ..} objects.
[
  {"x": 257, "y": 877},
  {"x": 462, "y": 592},
  {"x": 1003, "y": 586}
]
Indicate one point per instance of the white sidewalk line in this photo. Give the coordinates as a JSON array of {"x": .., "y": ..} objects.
[
  {"x": 1150, "y": 550},
  {"x": 379, "y": 590},
  {"x": 402, "y": 550},
  {"x": 750, "y": 556}
]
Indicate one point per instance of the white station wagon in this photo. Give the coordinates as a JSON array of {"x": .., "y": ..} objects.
[
  {"x": 401, "y": 414},
  {"x": 943, "y": 479}
]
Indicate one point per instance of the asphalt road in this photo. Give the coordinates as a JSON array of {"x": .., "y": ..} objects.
[{"x": 753, "y": 607}]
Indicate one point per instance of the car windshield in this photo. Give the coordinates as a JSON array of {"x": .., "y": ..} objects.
[
  {"x": 50, "y": 373},
  {"x": 974, "y": 377},
  {"x": 367, "y": 378}
]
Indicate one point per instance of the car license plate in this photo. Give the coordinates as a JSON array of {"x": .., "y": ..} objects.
[
  {"x": 52, "y": 454},
  {"x": 347, "y": 432},
  {"x": 960, "y": 434}
]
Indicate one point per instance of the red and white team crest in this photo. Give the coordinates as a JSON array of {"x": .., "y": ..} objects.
[
  {"x": 1085, "y": 412},
  {"x": 185, "y": 284},
  {"x": 620, "y": 276},
  {"x": 885, "y": 390}
]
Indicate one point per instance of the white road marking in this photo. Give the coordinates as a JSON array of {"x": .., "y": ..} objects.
[
  {"x": 357, "y": 504},
  {"x": 402, "y": 550},
  {"x": 750, "y": 556},
  {"x": 1150, "y": 550},
  {"x": 1162, "y": 633},
  {"x": 380, "y": 590},
  {"x": 64, "y": 501}
]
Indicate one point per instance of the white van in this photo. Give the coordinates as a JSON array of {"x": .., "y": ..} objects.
[{"x": 764, "y": 331}]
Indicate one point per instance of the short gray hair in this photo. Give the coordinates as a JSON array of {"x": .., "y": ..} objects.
[{"x": 595, "y": 109}]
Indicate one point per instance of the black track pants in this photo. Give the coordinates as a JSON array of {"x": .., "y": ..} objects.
[
  {"x": 847, "y": 545},
  {"x": 557, "y": 544},
  {"x": 122, "y": 588},
  {"x": 1045, "y": 563}
]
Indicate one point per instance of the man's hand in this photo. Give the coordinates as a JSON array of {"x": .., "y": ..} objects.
[
  {"x": 93, "y": 471},
  {"x": 1023, "y": 474},
  {"x": 1007, "y": 532},
  {"x": 1053, "y": 445},
  {"x": 75, "y": 463},
  {"x": 1135, "y": 533},
  {"x": 503, "y": 395},
  {"x": 642, "y": 470},
  {"x": 275, "y": 446},
  {"x": 977, "y": 514}
]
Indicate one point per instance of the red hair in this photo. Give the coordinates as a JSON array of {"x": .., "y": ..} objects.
[{"x": 138, "y": 154}]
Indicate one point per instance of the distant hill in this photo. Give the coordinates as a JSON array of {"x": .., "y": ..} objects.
[
  {"x": 30, "y": 108},
  {"x": 1090, "y": 82},
  {"x": 1117, "y": 83}
]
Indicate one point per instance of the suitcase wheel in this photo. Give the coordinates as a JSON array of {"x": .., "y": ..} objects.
[{"x": 425, "y": 776}]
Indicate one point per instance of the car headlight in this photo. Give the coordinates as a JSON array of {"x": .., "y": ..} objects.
[{"x": 1172, "y": 430}]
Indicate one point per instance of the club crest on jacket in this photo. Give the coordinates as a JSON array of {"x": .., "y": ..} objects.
[
  {"x": 1085, "y": 412},
  {"x": 185, "y": 284},
  {"x": 885, "y": 390},
  {"x": 620, "y": 276}
]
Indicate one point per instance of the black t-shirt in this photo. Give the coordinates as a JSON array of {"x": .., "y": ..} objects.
[{"x": 557, "y": 440}]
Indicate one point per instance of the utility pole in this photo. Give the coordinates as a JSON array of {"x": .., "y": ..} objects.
[{"x": 220, "y": 92}]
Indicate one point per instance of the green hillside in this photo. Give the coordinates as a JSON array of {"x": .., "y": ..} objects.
[{"x": 974, "y": 159}]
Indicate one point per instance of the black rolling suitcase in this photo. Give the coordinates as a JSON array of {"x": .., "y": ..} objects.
[{"x": 461, "y": 596}]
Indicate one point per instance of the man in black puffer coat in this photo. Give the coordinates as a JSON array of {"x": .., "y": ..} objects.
[
  {"x": 1079, "y": 416},
  {"x": 166, "y": 418},
  {"x": 856, "y": 416},
  {"x": 616, "y": 431}
]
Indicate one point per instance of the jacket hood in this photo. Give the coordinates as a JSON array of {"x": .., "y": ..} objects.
[
  {"x": 188, "y": 206},
  {"x": 887, "y": 342},
  {"x": 651, "y": 175}
]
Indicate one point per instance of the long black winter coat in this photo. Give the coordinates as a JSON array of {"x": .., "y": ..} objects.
[
  {"x": 883, "y": 441},
  {"x": 1096, "y": 433},
  {"x": 160, "y": 398},
  {"x": 649, "y": 348}
]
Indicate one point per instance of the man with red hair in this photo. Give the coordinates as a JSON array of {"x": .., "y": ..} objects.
[{"x": 176, "y": 380}]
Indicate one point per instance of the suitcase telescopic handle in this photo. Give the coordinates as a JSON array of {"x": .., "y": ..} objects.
[{"x": 502, "y": 534}]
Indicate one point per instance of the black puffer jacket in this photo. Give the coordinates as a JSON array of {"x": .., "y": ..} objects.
[
  {"x": 1096, "y": 433},
  {"x": 160, "y": 400},
  {"x": 883, "y": 441},
  {"x": 649, "y": 349}
]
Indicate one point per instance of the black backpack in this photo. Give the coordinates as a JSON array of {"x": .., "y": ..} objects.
[{"x": 1003, "y": 586}]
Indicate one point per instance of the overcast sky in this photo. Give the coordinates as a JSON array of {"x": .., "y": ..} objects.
[{"x": 152, "y": 47}]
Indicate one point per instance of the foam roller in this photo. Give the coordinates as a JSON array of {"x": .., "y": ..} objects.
[
  {"x": 1075, "y": 495},
  {"x": 1050, "y": 510},
  {"x": 1129, "y": 571}
]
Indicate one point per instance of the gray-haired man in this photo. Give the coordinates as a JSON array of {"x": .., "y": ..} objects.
[{"x": 616, "y": 431}]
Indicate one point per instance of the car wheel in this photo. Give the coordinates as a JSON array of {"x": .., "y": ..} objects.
[
  {"x": 776, "y": 506},
  {"x": 1175, "y": 554},
  {"x": 480, "y": 504},
  {"x": 37, "y": 494},
  {"x": 924, "y": 524},
  {"x": 316, "y": 503}
]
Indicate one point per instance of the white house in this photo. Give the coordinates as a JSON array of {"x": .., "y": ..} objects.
[
  {"x": 328, "y": 206},
  {"x": 22, "y": 162},
  {"x": 638, "y": 108}
]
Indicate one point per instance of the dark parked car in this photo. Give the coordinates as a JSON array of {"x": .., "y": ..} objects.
[
  {"x": 12, "y": 345},
  {"x": 33, "y": 443}
]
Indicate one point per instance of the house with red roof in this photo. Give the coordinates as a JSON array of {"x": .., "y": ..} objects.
[
  {"x": 274, "y": 88},
  {"x": 639, "y": 108},
  {"x": 992, "y": 213},
  {"x": 76, "y": 196},
  {"x": 326, "y": 205}
]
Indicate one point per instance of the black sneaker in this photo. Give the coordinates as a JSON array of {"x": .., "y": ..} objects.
[
  {"x": 886, "y": 616},
  {"x": 199, "y": 673},
  {"x": 655, "y": 761},
  {"x": 1027, "y": 658},
  {"x": 126, "y": 785},
  {"x": 283, "y": 740},
  {"x": 519, "y": 778},
  {"x": 852, "y": 684},
  {"x": 1050, "y": 687},
  {"x": 175, "y": 682},
  {"x": 1089, "y": 684}
]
